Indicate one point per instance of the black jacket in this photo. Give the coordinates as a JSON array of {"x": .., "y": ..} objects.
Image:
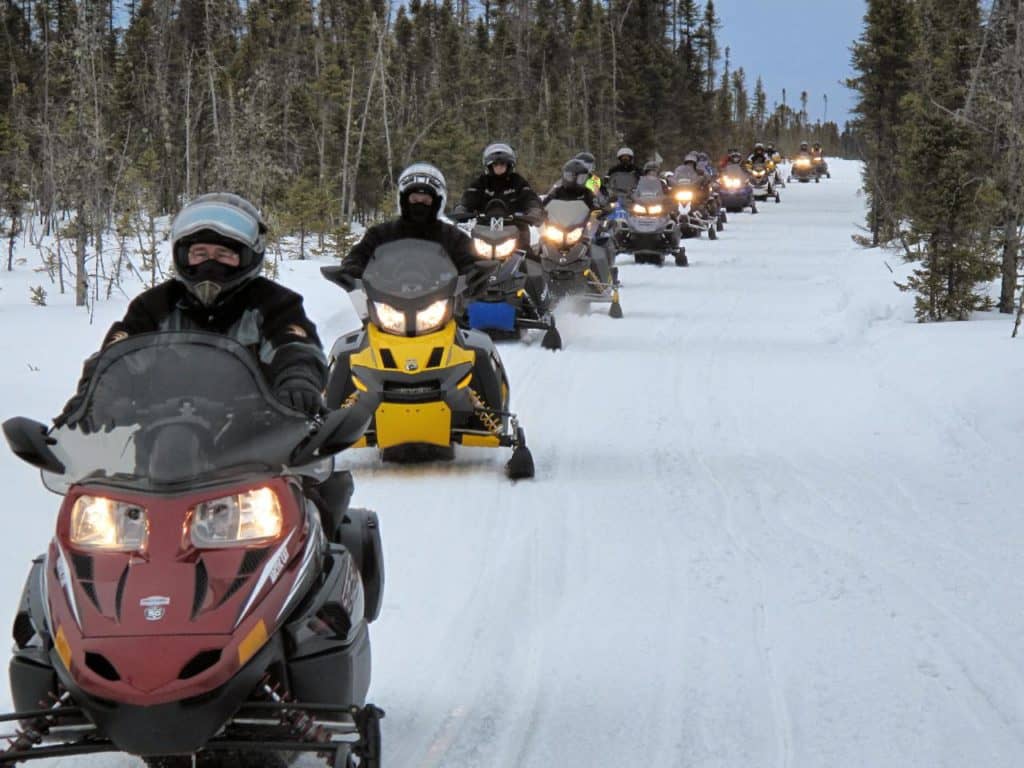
[
  {"x": 510, "y": 188},
  {"x": 456, "y": 242},
  {"x": 561, "y": 192},
  {"x": 261, "y": 315},
  {"x": 621, "y": 168}
]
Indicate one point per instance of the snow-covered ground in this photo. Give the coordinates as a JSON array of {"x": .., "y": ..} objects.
[{"x": 775, "y": 522}]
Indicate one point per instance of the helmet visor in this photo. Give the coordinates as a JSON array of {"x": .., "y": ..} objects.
[
  {"x": 226, "y": 220},
  {"x": 424, "y": 181}
]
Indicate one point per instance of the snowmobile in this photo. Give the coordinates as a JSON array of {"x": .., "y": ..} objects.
[
  {"x": 514, "y": 295},
  {"x": 650, "y": 232},
  {"x": 191, "y": 603},
  {"x": 762, "y": 177},
  {"x": 573, "y": 261},
  {"x": 696, "y": 203},
  {"x": 802, "y": 169},
  {"x": 429, "y": 383},
  {"x": 737, "y": 192}
]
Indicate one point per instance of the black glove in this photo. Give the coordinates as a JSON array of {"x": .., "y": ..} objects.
[
  {"x": 75, "y": 403},
  {"x": 300, "y": 394},
  {"x": 338, "y": 276}
]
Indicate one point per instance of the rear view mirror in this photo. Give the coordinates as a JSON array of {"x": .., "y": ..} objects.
[
  {"x": 30, "y": 442},
  {"x": 340, "y": 429}
]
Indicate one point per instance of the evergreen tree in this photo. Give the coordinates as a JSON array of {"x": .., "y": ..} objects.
[
  {"x": 882, "y": 57},
  {"x": 950, "y": 203}
]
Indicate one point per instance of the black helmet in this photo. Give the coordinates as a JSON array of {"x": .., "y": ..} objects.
[
  {"x": 499, "y": 153},
  {"x": 817, "y": 145},
  {"x": 422, "y": 177},
  {"x": 575, "y": 173},
  {"x": 227, "y": 220},
  {"x": 588, "y": 160}
]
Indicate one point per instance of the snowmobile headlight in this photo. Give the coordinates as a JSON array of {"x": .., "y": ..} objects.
[
  {"x": 552, "y": 234},
  {"x": 506, "y": 249},
  {"x": 109, "y": 525},
  {"x": 731, "y": 182},
  {"x": 389, "y": 318},
  {"x": 684, "y": 196},
  {"x": 433, "y": 317},
  {"x": 573, "y": 236},
  {"x": 482, "y": 248},
  {"x": 654, "y": 210},
  {"x": 642, "y": 210},
  {"x": 803, "y": 162},
  {"x": 244, "y": 518}
]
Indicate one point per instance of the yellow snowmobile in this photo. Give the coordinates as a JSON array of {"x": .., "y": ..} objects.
[{"x": 432, "y": 384}]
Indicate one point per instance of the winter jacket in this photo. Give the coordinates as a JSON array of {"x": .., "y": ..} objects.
[
  {"x": 261, "y": 315},
  {"x": 561, "y": 192},
  {"x": 510, "y": 188},
  {"x": 456, "y": 243}
]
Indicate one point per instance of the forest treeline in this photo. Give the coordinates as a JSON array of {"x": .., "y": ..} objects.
[
  {"x": 940, "y": 119},
  {"x": 116, "y": 112}
]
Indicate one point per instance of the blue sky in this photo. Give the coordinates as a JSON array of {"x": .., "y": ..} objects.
[{"x": 799, "y": 45}]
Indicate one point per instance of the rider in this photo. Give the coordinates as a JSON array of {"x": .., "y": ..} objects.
[
  {"x": 218, "y": 241},
  {"x": 573, "y": 185},
  {"x": 422, "y": 192},
  {"x": 594, "y": 183},
  {"x": 626, "y": 164},
  {"x": 759, "y": 155},
  {"x": 500, "y": 181}
]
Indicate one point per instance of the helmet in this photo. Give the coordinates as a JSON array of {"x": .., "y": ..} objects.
[
  {"x": 692, "y": 159},
  {"x": 575, "y": 173},
  {"x": 651, "y": 166},
  {"x": 624, "y": 152},
  {"x": 668, "y": 176},
  {"x": 422, "y": 177},
  {"x": 218, "y": 218},
  {"x": 770, "y": 146},
  {"x": 499, "y": 153},
  {"x": 804, "y": 146},
  {"x": 735, "y": 156},
  {"x": 817, "y": 145},
  {"x": 588, "y": 160},
  {"x": 758, "y": 147}
]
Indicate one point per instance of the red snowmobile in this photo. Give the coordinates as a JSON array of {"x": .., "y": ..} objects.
[{"x": 191, "y": 606}]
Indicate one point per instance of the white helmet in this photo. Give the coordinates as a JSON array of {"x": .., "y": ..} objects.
[
  {"x": 422, "y": 177},
  {"x": 623, "y": 152}
]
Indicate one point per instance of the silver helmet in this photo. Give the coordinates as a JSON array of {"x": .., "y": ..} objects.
[
  {"x": 624, "y": 152},
  {"x": 423, "y": 177},
  {"x": 227, "y": 220},
  {"x": 499, "y": 153}
]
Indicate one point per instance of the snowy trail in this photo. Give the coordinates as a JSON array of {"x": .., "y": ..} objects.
[{"x": 774, "y": 524}]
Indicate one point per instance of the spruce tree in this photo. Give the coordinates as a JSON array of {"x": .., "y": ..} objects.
[{"x": 882, "y": 58}]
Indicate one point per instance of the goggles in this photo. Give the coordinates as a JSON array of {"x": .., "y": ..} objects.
[{"x": 226, "y": 220}]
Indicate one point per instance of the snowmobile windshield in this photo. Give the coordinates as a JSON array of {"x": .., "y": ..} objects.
[
  {"x": 410, "y": 273},
  {"x": 686, "y": 173},
  {"x": 175, "y": 409},
  {"x": 567, "y": 214},
  {"x": 649, "y": 189},
  {"x": 621, "y": 182}
]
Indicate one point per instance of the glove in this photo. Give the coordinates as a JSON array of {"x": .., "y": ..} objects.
[
  {"x": 339, "y": 277},
  {"x": 301, "y": 395}
]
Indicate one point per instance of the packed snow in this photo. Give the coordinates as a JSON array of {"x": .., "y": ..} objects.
[{"x": 775, "y": 521}]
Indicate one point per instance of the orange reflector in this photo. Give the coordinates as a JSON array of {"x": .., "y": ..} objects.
[
  {"x": 63, "y": 649},
  {"x": 252, "y": 642}
]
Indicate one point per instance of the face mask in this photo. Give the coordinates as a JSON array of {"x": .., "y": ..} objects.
[
  {"x": 420, "y": 213},
  {"x": 208, "y": 279}
]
